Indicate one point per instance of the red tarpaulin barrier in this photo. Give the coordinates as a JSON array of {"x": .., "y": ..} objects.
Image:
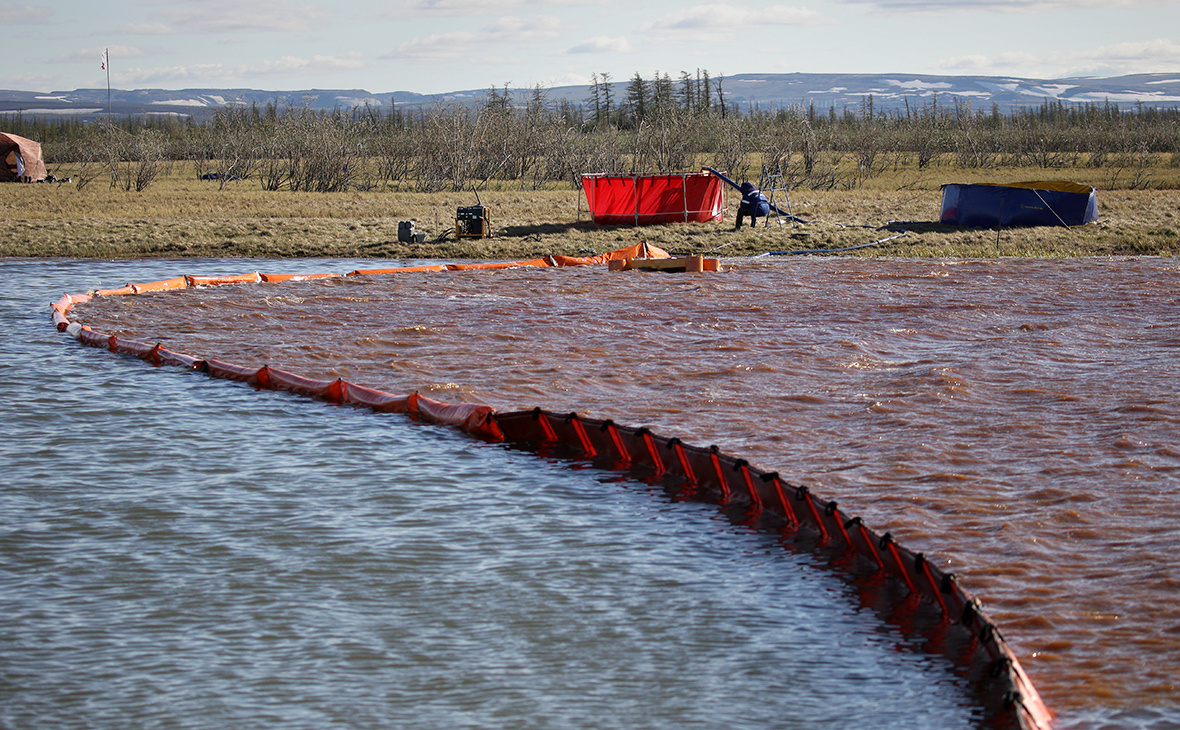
[{"x": 640, "y": 200}]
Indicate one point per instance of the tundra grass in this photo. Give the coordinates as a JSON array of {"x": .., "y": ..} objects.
[{"x": 180, "y": 216}]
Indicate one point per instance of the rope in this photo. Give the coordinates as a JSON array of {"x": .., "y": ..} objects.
[{"x": 1050, "y": 208}]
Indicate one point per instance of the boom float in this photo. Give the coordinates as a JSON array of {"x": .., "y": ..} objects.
[{"x": 928, "y": 597}]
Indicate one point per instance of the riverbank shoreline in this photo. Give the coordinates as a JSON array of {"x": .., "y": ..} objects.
[{"x": 182, "y": 217}]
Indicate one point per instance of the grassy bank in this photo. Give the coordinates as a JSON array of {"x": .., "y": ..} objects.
[{"x": 182, "y": 216}]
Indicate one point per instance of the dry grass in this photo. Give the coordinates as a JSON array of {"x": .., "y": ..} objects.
[{"x": 182, "y": 216}]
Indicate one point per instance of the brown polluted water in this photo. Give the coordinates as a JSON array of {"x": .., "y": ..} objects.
[{"x": 1017, "y": 420}]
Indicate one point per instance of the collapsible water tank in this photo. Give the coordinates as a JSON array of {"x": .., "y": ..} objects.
[{"x": 1040, "y": 203}]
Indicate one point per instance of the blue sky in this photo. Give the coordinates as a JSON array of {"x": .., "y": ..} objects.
[{"x": 431, "y": 46}]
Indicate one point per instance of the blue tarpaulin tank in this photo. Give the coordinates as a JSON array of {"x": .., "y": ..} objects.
[{"x": 1038, "y": 203}]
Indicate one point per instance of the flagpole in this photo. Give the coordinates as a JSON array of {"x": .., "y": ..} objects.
[{"x": 106, "y": 55}]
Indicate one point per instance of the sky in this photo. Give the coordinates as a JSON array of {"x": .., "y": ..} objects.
[{"x": 435, "y": 46}]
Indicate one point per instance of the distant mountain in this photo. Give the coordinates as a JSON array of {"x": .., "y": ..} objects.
[
  {"x": 198, "y": 103},
  {"x": 889, "y": 92}
]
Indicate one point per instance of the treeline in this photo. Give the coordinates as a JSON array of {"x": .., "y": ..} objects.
[{"x": 657, "y": 125}]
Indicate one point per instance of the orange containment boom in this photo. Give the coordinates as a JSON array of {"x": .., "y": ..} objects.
[
  {"x": 640, "y": 251},
  {"x": 748, "y": 495}
]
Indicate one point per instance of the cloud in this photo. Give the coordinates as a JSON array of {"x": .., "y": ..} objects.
[
  {"x": 290, "y": 65},
  {"x": 707, "y": 22},
  {"x": 1161, "y": 54},
  {"x": 1001, "y": 6},
  {"x": 214, "y": 74},
  {"x": 455, "y": 44},
  {"x": 475, "y": 8},
  {"x": 601, "y": 44},
  {"x": 1158, "y": 55},
  {"x": 570, "y": 78},
  {"x": 232, "y": 16},
  {"x": 457, "y": 7},
  {"x": 31, "y": 81},
  {"x": 14, "y": 14},
  {"x": 91, "y": 55},
  {"x": 433, "y": 48},
  {"x": 519, "y": 30},
  {"x": 1002, "y": 63},
  {"x": 149, "y": 29}
]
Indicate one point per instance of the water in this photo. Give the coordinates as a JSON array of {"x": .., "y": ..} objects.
[{"x": 182, "y": 552}]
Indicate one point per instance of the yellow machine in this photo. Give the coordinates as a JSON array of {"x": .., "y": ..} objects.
[{"x": 473, "y": 222}]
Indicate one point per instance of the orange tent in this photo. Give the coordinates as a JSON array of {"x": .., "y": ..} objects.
[{"x": 20, "y": 159}]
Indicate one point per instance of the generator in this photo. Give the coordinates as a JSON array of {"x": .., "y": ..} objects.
[{"x": 473, "y": 222}]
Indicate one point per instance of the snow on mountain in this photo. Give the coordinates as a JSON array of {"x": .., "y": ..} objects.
[{"x": 889, "y": 93}]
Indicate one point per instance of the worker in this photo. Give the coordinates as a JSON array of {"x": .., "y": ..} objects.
[{"x": 754, "y": 204}]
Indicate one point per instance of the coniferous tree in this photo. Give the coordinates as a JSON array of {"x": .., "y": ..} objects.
[{"x": 638, "y": 99}]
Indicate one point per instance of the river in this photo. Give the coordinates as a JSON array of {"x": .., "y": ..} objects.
[{"x": 247, "y": 555}]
